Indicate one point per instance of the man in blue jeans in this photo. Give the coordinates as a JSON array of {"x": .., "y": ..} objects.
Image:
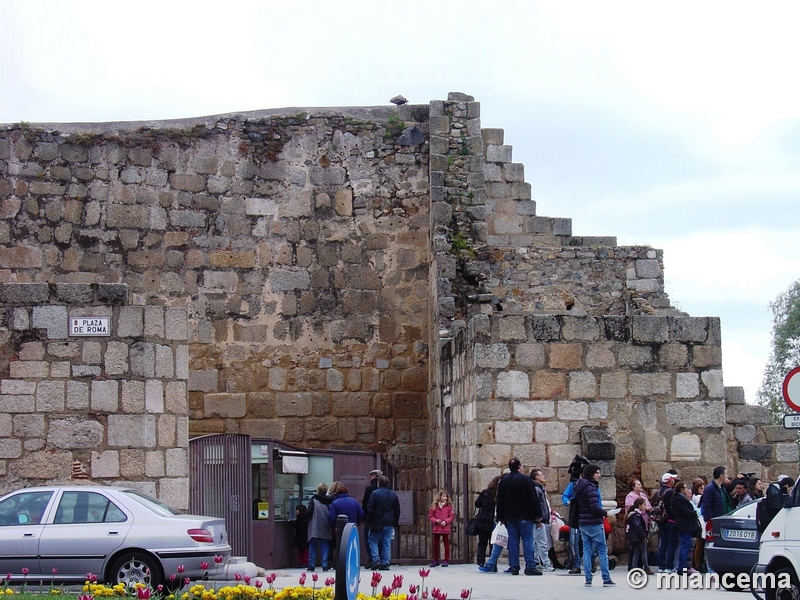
[
  {"x": 590, "y": 519},
  {"x": 667, "y": 534},
  {"x": 518, "y": 508},
  {"x": 383, "y": 515}
]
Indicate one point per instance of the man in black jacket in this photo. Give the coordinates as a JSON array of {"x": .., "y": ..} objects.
[
  {"x": 518, "y": 508},
  {"x": 373, "y": 485},
  {"x": 590, "y": 518},
  {"x": 383, "y": 515}
]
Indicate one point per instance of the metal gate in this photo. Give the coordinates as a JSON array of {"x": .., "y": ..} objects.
[
  {"x": 220, "y": 485},
  {"x": 416, "y": 480}
]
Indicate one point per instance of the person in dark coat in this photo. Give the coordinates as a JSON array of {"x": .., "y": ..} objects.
[
  {"x": 667, "y": 535},
  {"x": 518, "y": 509},
  {"x": 484, "y": 520},
  {"x": 300, "y": 540},
  {"x": 637, "y": 535},
  {"x": 345, "y": 505},
  {"x": 373, "y": 485},
  {"x": 686, "y": 524},
  {"x": 590, "y": 520},
  {"x": 383, "y": 514}
]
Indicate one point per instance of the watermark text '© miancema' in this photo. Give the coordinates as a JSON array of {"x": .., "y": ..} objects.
[{"x": 638, "y": 579}]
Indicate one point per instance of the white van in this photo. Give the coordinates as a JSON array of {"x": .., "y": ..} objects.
[{"x": 779, "y": 553}]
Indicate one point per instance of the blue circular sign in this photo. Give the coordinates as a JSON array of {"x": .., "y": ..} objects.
[{"x": 348, "y": 565}]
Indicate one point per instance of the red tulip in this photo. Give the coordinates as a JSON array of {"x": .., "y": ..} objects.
[
  {"x": 330, "y": 581},
  {"x": 85, "y": 597},
  {"x": 465, "y": 593},
  {"x": 25, "y": 570},
  {"x": 55, "y": 570},
  {"x": 387, "y": 591},
  {"x": 218, "y": 559},
  {"x": 271, "y": 577},
  {"x": 204, "y": 565},
  {"x": 424, "y": 573},
  {"x": 186, "y": 581},
  {"x": 302, "y": 579},
  {"x": 143, "y": 593},
  {"x": 258, "y": 583},
  {"x": 397, "y": 582},
  {"x": 314, "y": 577},
  {"x": 435, "y": 593},
  {"x": 247, "y": 579},
  {"x": 91, "y": 577},
  {"x": 181, "y": 568},
  {"x": 412, "y": 589},
  {"x": 237, "y": 576}
]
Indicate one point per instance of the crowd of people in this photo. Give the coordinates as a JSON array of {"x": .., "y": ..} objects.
[
  {"x": 674, "y": 517},
  {"x": 514, "y": 511}
]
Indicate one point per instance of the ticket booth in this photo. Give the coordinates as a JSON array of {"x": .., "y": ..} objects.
[{"x": 272, "y": 481}]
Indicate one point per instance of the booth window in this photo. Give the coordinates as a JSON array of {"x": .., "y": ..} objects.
[{"x": 290, "y": 488}]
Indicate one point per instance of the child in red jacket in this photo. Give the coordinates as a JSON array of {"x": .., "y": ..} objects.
[{"x": 441, "y": 516}]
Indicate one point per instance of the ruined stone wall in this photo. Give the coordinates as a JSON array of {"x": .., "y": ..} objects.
[
  {"x": 110, "y": 408},
  {"x": 297, "y": 243},
  {"x": 654, "y": 384}
]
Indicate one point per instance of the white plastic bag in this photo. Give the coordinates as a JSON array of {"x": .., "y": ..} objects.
[
  {"x": 556, "y": 522},
  {"x": 500, "y": 535}
]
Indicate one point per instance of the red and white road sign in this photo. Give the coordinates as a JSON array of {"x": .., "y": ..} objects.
[{"x": 791, "y": 389}]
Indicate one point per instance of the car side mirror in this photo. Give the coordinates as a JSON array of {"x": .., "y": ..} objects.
[
  {"x": 775, "y": 499},
  {"x": 22, "y": 518}
]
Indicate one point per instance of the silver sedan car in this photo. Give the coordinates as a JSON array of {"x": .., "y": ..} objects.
[{"x": 121, "y": 535}]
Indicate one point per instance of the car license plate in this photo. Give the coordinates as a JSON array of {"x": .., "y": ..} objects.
[{"x": 738, "y": 534}]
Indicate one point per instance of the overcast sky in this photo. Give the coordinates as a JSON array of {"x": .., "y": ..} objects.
[{"x": 675, "y": 125}]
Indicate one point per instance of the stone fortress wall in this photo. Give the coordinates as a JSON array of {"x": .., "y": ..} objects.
[{"x": 326, "y": 263}]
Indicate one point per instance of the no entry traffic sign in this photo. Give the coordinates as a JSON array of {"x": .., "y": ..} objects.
[{"x": 791, "y": 389}]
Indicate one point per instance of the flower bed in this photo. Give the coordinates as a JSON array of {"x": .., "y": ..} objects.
[{"x": 244, "y": 589}]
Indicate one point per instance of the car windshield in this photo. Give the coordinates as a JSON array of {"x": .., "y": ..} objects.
[{"x": 155, "y": 505}]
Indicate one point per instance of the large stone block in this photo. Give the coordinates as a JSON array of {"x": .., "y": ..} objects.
[
  {"x": 105, "y": 396},
  {"x": 572, "y": 411},
  {"x": 551, "y": 432},
  {"x": 52, "y": 318},
  {"x": 786, "y": 452},
  {"x": 513, "y": 384},
  {"x": 534, "y": 409},
  {"x": 650, "y": 384},
  {"x": 582, "y": 384},
  {"x": 747, "y": 413},
  {"x": 561, "y": 455},
  {"x": 597, "y": 444},
  {"x": 687, "y": 385},
  {"x": 492, "y": 356},
  {"x": 105, "y": 464},
  {"x": 529, "y": 355},
  {"x": 650, "y": 329},
  {"x": 580, "y": 329},
  {"x": 757, "y": 452},
  {"x": 566, "y": 356},
  {"x": 75, "y": 433},
  {"x": 685, "y": 446},
  {"x": 713, "y": 382},
  {"x": 513, "y": 432},
  {"x": 132, "y": 431},
  {"x": 511, "y": 329},
  {"x": 46, "y": 464},
  {"x": 50, "y": 396},
  {"x": 696, "y": 414},
  {"x": 234, "y": 406}
]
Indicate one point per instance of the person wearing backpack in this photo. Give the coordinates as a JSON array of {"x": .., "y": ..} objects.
[{"x": 667, "y": 534}]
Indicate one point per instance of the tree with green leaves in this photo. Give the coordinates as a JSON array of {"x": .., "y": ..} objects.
[{"x": 785, "y": 354}]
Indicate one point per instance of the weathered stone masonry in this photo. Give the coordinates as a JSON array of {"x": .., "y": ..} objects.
[{"x": 321, "y": 263}]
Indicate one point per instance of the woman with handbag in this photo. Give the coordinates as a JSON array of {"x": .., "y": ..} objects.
[{"x": 484, "y": 518}]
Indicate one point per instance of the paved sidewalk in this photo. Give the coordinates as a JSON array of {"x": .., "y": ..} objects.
[{"x": 557, "y": 585}]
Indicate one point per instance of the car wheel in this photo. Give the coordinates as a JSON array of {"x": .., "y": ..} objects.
[
  {"x": 136, "y": 567},
  {"x": 790, "y": 593}
]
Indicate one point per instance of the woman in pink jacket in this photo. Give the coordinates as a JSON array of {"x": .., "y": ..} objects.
[{"x": 441, "y": 516}]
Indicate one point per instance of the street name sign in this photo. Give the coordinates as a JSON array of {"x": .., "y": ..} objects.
[{"x": 90, "y": 326}]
